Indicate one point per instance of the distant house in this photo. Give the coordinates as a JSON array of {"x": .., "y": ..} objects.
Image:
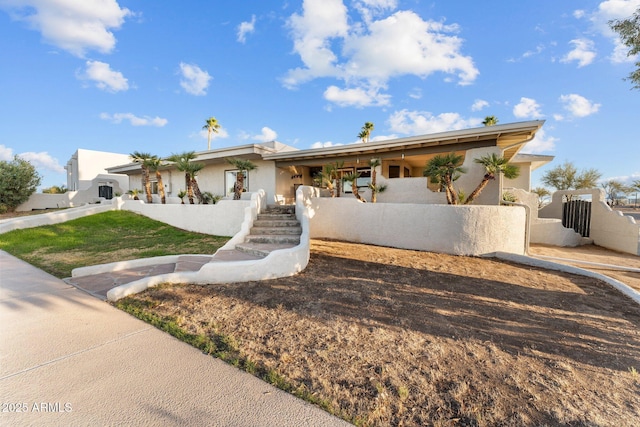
[
  {"x": 87, "y": 170},
  {"x": 281, "y": 168}
]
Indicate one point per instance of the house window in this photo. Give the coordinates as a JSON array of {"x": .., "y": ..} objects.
[
  {"x": 365, "y": 177},
  {"x": 394, "y": 171},
  {"x": 154, "y": 187},
  {"x": 230, "y": 181}
]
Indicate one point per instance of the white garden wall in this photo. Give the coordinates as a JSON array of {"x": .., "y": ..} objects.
[
  {"x": 222, "y": 219},
  {"x": 459, "y": 230},
  {"x": 609, "y": 228}
]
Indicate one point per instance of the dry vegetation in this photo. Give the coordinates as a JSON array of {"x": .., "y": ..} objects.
[{"x": 394, "y": 337}]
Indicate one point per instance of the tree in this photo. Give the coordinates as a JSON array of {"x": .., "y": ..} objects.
[
  {"x": 18, "y": 181},
  {"x": 155, "y": 163},
  {"x": 183, "y": 163},
  {"x": 331, "y": 174},
  {"x": 365, "y": 133},
  {"x": 145, "y": 160},
  {"x": 494, "y": 166},
  {"x": 542, "y": 193},
  {"x": 490, "y": 121},
  {"x": 443, "y": 169},
  {"x": 373, "y": 185},
  {"x": 55, "y": 189},
  {"x": 353, "y": 179},
  {"x": 243, "y": 166},
  {"x": 614, "y": 189},
  {"x": 635, "y": 185},
  {"x": 629, "y": 32},
  {"x": 567, "y": 177},
  {"x": 211, "y": 125}
]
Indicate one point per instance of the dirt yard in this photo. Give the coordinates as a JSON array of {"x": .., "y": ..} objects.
[{"x": 406, "y": 338}]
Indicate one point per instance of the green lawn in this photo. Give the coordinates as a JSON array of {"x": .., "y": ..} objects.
[{"x": 103, "y": 238}]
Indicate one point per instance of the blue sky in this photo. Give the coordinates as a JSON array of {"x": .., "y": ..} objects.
[{"x": 132, "y": 75}]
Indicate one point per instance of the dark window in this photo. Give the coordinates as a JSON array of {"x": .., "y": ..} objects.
[{"x": 394, "y": 171}]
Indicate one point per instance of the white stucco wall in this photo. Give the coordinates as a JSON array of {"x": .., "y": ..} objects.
[
  {"x": 56, "y": 217},
  {"x": 610, "y": 229},
  {"x": 221, "y": 219},
  {"x": 459, "y": 230},
  {"x": 85, "y": 165}
]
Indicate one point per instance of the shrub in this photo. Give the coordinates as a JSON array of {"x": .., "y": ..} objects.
[{"x": 18, "y": 181}]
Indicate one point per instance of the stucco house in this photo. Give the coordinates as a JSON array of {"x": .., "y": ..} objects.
[{"x": 282, "y": 168}]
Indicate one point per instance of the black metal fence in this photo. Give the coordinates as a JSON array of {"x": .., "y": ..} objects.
[{"x": 576, "y": 214}]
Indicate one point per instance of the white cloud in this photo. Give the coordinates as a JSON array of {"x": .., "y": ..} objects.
[
  {"x": 415, "y": 93},
  {"x": 43, "y": 160},
  {"x": 104, "y": 77},
  {"x": 194, "y": 80},
  {"x": 75, "y": 26},
  {"x": 320, "y": 144},
  {"x": 613, "y": 10},
  {"x": 245, "y": 28},
  {"x": 6, "y": 153},
  {"x": 356, "y": 97},
  {"x": 373, "y": 51},
  {"x": 134, "y": 120},
  {"x": 579, "y": 14},
  {"x": 527, "y": 108},
  {"x": 479, "y": 104},
  {"x": 540, "y": 144},
  {"x": 267, "y": 135},
  {"x": 583, "y": 52},
  {"x": 423, "y": 122},
  {"x": 204, "y": 134},
  {"x": 579, "y": 106}
]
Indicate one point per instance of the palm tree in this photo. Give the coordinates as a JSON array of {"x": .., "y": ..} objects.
[
  {"x": 375, "y": 188},
  {"x": 327, "y": 177},
  {"x": 494, "y": 165},
  {"x": 353, "y": 179},
  {"x": 144, "y": 159},
  {"x": 443, "y": 169},
  {"x": 243, "y": 166},
  {"x": 365, "y": 134},
  {"x": 183, "y": 163},
  {"x": 155, "y": 163},
  {"x": 490, "y": 121},
  {"x": 211, "y": 125}
]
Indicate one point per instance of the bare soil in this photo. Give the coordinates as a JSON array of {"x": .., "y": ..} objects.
[{"x": 405, "y": 338}]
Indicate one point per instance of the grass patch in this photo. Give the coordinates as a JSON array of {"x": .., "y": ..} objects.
[
  {"x": 223, "y": 347},
  {"x": 102, "y": 238}
]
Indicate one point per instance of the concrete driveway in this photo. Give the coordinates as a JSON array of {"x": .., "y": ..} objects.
[{"x": 67, "y": 358}]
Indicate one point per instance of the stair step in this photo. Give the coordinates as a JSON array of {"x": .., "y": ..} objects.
[
  {"x": 262, "y": 249},
  {"x": 276, "y": 216},
  {"x": 273, "y": 238},
  {"x": 276, "y": 223},
  {"x": 286, "y": 209},
  {"x": 276, "y": 230}
]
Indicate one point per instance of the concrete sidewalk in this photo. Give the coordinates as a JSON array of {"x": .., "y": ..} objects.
[{"x": 67, "y": 358}]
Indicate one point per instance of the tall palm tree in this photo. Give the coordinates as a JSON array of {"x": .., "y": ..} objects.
[
  {"x": 494, "y": 165},
  {"x": 243, "y": 166},
  {"x": 490, "y": 121},
  {"x": 373, "y": 185},
  {"x": 443, "y": 169},
  {"x": 144, "y": 159},
  {"x": 155, "y": 163},
  {"x": 183, "y": 162},
  {"x": 211, "y": 125},
  {"x": 365, "y": 133}
]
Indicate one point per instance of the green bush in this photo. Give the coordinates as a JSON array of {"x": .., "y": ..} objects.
[{"x": 18, "y": 181}]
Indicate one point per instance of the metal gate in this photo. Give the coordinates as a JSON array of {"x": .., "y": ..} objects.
[
  {"x": 576, "y": 214},
  {"x": 105, "y": 191}
]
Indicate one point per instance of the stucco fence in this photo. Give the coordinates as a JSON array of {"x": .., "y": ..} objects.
[
  {"x": 610, "y": 229},
  {"x": 458, "y": 230}
]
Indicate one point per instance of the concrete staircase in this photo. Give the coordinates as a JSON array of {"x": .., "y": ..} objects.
[{"x": 275, "y": 228}]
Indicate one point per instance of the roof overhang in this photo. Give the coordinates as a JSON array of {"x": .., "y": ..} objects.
[{"x": 509, "y": 137}]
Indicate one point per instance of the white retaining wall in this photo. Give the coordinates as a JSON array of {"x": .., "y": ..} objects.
[
  {"x": 547, "y": 231},
  {"x": 610, "y": 229},
  {"x": 222, "y": 219},
  {"x": 458, "y": 230},
  {"x": 57, "y": 217}
]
